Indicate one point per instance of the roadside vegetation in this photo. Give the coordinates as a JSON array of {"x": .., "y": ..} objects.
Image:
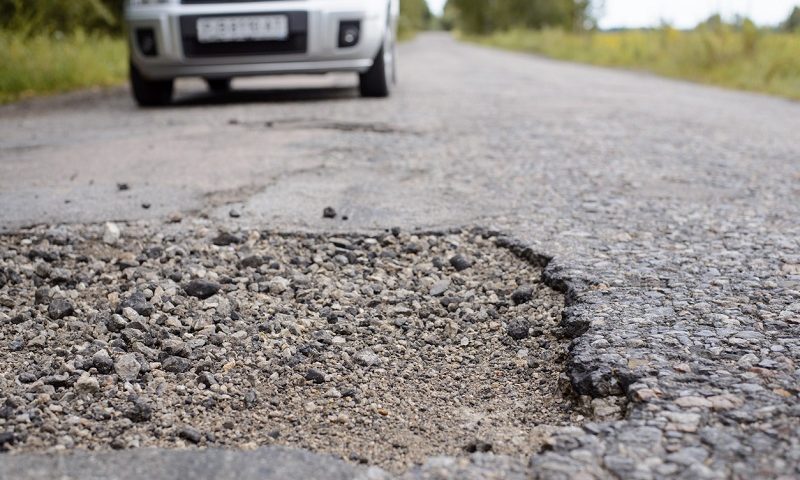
[
  {"x": 49, "y": 46},
  {"x": 50, "y": 63},
  {"x": 737, "y": 54},
  {"x": 52, "y": 46},
  {"x": 414, "y": 17}
]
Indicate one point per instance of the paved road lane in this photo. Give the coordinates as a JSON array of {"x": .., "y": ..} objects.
[{"x": 671, "y": 211}]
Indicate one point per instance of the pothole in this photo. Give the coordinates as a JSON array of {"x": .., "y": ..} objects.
[{"x": 382, "y": 350}]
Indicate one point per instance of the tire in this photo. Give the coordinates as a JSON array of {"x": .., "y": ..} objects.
[
  {"x": 150, "y": 93},
  {"x": 377, "y": 82},
  {"x": 219, "y": 85}
]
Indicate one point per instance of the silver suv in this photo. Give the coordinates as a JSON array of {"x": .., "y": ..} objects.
[{"x": 222, "y": 39}]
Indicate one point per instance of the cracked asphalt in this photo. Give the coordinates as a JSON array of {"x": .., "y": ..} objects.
[{"x": 666, "y": 212}]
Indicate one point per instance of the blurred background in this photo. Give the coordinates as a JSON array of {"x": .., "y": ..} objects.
[{"x": 49, "y": 46}]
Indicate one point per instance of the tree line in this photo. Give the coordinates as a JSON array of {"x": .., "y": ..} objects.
[
  {"x": 487, "y": 16},
  {"x": 471, "y": 16}
]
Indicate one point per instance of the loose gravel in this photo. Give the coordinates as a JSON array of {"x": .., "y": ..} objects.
[{"x": 383, "y": 350}]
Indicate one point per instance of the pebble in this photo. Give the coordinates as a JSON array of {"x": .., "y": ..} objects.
[
  {"x": 60, "y": 308},
  {"x": 518, "y": 329},
  {"x": 460, "y": 262},
  {"x": 190, "y": 435},
  {"x": 139, "y": 411},
  {"x": 86, "y": 384},
  {"x": 111, "y": 233},
  {"x": 127, "y": 367},
  {"x": 367, "y": 358},
  {"x": 102, "y": 361},
  {"x": 315, "y": 376},
  {"x": 522, "y": 295},
  {"x": 329, "y": 212},
  {"x": 440, "y": 287},
  {"x": 138, "y": 302},
  {"x": 175, "y": 364},
  {"x": 201, "y": 289},
  {"x": 278, "y": 285},
  {"x": 226, "y": 238}
]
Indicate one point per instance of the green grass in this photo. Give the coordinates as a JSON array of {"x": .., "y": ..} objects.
[
  {"x": 48, "y": 64},
  {"x": 747, "y": 59}
]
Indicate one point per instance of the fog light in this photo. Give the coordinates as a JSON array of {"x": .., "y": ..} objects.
[
  {"x": 349, "y": 31},
  {"x": 146, "y": 39}
]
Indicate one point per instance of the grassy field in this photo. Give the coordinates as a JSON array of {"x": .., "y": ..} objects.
[
  {"x": 47, "y": 64},
  {"x": 746, "y": 59}
]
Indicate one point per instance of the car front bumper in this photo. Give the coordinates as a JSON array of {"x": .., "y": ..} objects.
[{"x": 177, "y": 54}]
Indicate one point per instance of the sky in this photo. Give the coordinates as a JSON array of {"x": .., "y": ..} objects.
[{"x": 681, "y": 13}]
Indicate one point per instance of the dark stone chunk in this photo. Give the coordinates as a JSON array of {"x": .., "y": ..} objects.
[
  {"x": 206, "y": 378},
  {"x": 175, "y": 364},
  {"x": 6, "y": 440},
  {"x": 44, "y": 255},
  {"x": 412, "y": 248},
  {"x": 140, "y": 411},
  {"x": 123, "y": 187},
  {"x": 518, "y": 329},
  {"x": 176, "y": 276},
  {"x": 594, "y": 380},
  {"x": 349, "y": 393},
  {"x": 250, "y": 398},
  {"x": 41, "y": 296},
  {"x": 138, "y": 303},
  {"x": 460, "y": 262},
  {"x": 154, "y": 252},
  {"x": 60, "y": 308},
  {"x": 190, "y": 435},
  {"x": 225, "y": 239},
  {"x": 116, "y": 323},
  {"x": 58, "y": 381},
  {"x": 478, "y": 446},
  {"x": 103, "y": 364},
  {"x": 27, "y": 377},
  {"x": 16, "y": 345},
  {"x": 118, "y": 443},
  {"x": 21, "y": 318},
  {"x": 201, "y": 289},
  {"x": 522, "y": 295},
  {"x": 253, "y": 261},
  {"x": 315, "y": 376},
  {"x": 329, "y": 212},
  {"x": 8, "y": 409},
  {"x": 447, "y": 301}
]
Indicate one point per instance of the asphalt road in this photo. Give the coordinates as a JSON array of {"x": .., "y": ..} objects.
[{"x": 671, "y": 211}]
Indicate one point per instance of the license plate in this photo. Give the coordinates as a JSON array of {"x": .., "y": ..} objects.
[{"x": 242, "y": 29}]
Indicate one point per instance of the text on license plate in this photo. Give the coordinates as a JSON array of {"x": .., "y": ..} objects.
[{"x": 241, "y": 29}]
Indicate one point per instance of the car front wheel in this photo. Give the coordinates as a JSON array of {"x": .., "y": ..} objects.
[
  {"x": 380, "y": 78},
  {"x": 150, "y": 93}
]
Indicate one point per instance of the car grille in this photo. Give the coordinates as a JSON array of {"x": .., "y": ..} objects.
[{"x": 297, "y": 42}]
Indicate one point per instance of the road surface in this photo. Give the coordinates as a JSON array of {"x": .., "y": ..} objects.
[{"x": 671, "y": 211}]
